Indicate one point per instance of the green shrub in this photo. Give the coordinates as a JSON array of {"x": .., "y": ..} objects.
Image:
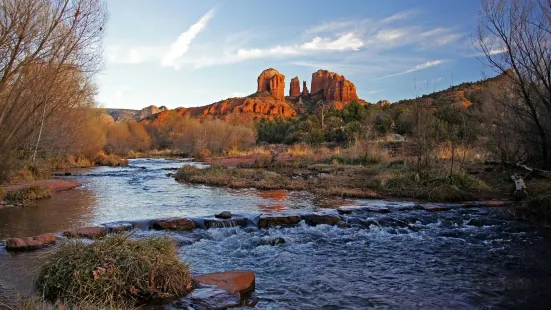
[
  {"x": 28, "y": 193},
  {"x": 535, "y": 209},
  {"x": 113, "y": 272}
]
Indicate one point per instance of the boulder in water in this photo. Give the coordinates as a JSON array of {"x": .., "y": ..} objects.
[
  {"x": 118, "y": 227},
  {"x": 271, "y": 220},
  {"x": 224, "y": 215},
  {"x": 175, "y": 223},
  {"x": 234, "y": 282},
  {"x": 30, "y": 243},
  {"x": 95, "y": 232},
  {"x": 319, "y": 219}
]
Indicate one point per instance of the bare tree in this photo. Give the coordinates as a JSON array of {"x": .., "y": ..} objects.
[
  {"x": 50, "y": 51},
  {"x": 515, "y": 37}
]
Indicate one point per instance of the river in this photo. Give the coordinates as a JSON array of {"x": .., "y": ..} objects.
[{"x": 457, "y": 259}]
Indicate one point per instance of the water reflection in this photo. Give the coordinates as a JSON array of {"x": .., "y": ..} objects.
[{"x": 141, "y": 191}]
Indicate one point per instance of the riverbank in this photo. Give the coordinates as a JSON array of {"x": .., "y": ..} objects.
[
  {"x": 385, "y": 180},
  {"x": 31, "y": 190}
]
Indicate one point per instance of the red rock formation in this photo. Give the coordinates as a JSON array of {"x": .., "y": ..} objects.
[
  {"x": 294, "y": 87},
  {"x": 305, "y": 89},
  {"x": 234, "y": 282},
  {"x": 335, "y": 87},
  {"x": 273, "y": 82}
]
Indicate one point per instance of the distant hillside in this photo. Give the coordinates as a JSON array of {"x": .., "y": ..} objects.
[
  {"x": 270, "y": 102},
  {"x": 464, "y": 93},
  {"x": 137, "y": 115}
]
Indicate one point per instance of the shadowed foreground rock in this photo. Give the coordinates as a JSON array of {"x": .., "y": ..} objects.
[
  {"x": 86, "y": 232},
  {"x": 30, "y": 243},
  {"x": 175, "y": 223},
  {"x": 219, "y": 290}
]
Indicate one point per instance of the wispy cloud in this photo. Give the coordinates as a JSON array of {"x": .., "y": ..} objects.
[
  {"x": 330, "y": 26},
  {"x": 345, "y": 42},
  {"x": 398, "y": 16},
  {"x": 425, "y": 65},
  {"x": 181, "y": 45}
]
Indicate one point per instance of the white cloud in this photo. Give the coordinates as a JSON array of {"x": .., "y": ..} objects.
[
  {"x": 390, "y": 35},
  {"x": 397, "y": 16},
  {"x": 181, "y": 45},
  {"x": 425, "y": 65},
  {"x": 330, "y": 27},
  {"x": 345, "y": 42}
]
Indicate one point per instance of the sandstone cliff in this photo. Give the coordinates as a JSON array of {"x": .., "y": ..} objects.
[
  {"x": 150, "y": 110},
  {"x": 294, "y": 87},
  {"x": 335, "y": 87},
  {"x": 273, "y": 82}
]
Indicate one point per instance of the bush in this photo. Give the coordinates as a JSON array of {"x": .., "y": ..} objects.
[
  {"x": 535, "y": 209},
  {"x": 112, "y": 160},
  {"x": 434, "y": 185},
  {"x": 28, "y": 193},
  {"x": 113, "y": 272}
]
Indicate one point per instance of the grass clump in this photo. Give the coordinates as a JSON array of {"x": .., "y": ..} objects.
[
  {"x": 236, "y": 178},
  {"x": 535, "y": 209},
  {"x": 434, "y": 185},
  {"x": 28, "y": 193},
  {"x": 111, "y": 160},
  {"x": 113, "y": 272}
]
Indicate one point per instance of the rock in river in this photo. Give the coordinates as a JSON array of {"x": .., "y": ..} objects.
[
  {"x": 271, "y": 220},
  {"x": 318, "y": 219},
  {"x": 30, "y": 243},
  {"x": 236, "y": 281},
  {"x": 175, "y": 223},
  {"x": 224, "y": 215},
  {"x": 86, "y": 232}
]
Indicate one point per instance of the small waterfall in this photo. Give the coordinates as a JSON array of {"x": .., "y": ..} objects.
[{"x": 225, "y": 223}]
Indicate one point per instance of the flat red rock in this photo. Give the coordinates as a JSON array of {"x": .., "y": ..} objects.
[
  {"x": 86, "y": 232},
  {"x": 30, "y": 243},
  {"x": 175, "y": 223},
  {"x": 237, "y": 281}
]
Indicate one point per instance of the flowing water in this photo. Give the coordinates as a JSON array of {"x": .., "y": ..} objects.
[{"x": 457, "y": 259}]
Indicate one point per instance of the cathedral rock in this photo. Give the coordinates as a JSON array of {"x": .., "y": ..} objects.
[
  {"x": 273, "y": 82},
  {"x": 335, "y": 87},
  {"x": 294, "y": 89}
]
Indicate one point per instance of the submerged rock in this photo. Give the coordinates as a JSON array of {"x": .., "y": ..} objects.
[
  {"x": 318, "y": 219},
  {"x": 271, "y": 241},
  {"x": 435, "y": 208},
  {"x": 271, "y": 220},
  {"x": 224, "y": 215},
  {"x": 30, "y": 243},
  {"x": 208, "y": 298},
  {"x": 87, "y": 232},
  {"x": 175, "y": 223}
]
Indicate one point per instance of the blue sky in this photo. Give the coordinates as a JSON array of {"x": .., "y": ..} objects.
[{"x": 193, "y": 53}]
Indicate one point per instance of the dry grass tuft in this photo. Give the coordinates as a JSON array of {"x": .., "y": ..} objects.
[
  {"x": 114, "y": 272},
  {"x": 28, "y": 193}
]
